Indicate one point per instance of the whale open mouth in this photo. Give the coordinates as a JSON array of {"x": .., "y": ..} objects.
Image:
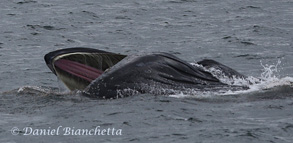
[{"x": 78, "y": 67}]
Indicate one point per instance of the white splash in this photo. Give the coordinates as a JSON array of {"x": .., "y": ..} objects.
[
  {"x": 269, "y": 78},
  {"x": 270, "y": 71}
]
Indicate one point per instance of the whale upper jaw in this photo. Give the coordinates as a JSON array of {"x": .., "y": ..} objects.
[{"x": 78, "y": 67}]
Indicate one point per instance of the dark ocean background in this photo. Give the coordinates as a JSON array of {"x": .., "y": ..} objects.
[{"x": 253, "y": 37}]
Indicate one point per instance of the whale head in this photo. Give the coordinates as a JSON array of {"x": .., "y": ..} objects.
[{"x": 78, "y": 67}]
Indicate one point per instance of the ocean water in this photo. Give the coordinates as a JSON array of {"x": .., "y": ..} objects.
[{"x": 253, "y": 37}]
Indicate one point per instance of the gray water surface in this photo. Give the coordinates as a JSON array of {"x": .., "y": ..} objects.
[{"x": 241, "y": 34}]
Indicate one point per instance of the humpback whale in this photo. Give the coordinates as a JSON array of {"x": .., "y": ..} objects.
[{"x": 102, "y": 74}]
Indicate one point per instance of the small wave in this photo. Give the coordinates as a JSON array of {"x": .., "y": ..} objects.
[
  {"x": 36, "y": 89},
  {"x": 39, "y": 91}
]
